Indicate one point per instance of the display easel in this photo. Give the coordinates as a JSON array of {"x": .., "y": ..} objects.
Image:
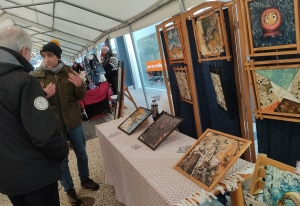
[{"x": 128, "y": 95}]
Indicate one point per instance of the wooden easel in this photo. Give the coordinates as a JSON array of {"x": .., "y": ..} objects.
[{"x": 127, "y": 94}]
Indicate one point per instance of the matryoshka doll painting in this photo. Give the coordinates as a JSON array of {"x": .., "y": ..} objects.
[
  {"x": 273, "y": 24},
  {"x": 271, "y": 21}
]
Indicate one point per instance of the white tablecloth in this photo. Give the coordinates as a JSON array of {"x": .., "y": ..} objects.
[{"x": 143, "y": 177}]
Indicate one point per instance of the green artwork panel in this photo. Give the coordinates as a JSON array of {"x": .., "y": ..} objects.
[{"x": 281, "y": 77}]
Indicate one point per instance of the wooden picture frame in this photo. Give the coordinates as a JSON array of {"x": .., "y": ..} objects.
[
  {"x": 273, "y": 27},
  {"x": 182, "y": 78},
  {"x": 157, "y": 132},
  {"x": 210, "y": 31},
  {"x": 210, "y": 157},
  {"x": 120, "y": 91},
  {"x": 135, "y": 120},
  {"x": 275, "y": 89},
  {"x": 174, "y": 41}
]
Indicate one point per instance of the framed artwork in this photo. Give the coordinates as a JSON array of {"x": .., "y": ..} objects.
[
  {"x": 276, "y": 91},
  {"x": 281, "y": 187},
  {"x": 174, "y": 43},
  {"x": 163, "y": 126},
  {"x": 211, "y": 156},
  {"x": 181, "y": 75},
  {"x": 118, "y": 112},
  {"x": 135, "y": 120},
  {"x": 273, "y": 27},
  {"x": 216, "y": 80},
  {"x": 210, "y": 32}
]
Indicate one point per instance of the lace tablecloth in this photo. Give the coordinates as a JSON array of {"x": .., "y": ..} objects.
[{"x": 146, "y": 177}]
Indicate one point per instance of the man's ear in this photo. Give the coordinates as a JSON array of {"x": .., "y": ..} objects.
[{"x": 24, "y": 51}]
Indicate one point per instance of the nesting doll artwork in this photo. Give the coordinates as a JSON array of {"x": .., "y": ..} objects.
[{"x": 271, "y": 21}]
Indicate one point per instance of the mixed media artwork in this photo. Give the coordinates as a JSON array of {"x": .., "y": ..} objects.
[
  {"x": 183, "y": 83},
  {"x": 272, "y": 23},
  {"x": 174, "y": 44},
  {"x": 134, "y": 120},
  {"x": 278, "y": 90},
  {"x": 216, "y": 80},
  {"x": 210, "y": 35},
  {"x": 212, "y": 155},
  {"x": 163, "y": 126},
  {"x": 281, "y": 187}
]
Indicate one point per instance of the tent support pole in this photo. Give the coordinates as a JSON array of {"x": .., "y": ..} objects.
[
  {"x": 181, "y": 5},
  {"x": 139, "y": 66}
]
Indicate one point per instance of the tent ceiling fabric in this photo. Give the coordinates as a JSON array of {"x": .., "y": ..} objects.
[{"x": 80, "y": 25}]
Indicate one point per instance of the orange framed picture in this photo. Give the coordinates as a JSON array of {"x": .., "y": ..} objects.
[
  {"x": 210, "y": 31},
  {"x": 211, "y": 156},
  {"x": 174, "y": 41}
]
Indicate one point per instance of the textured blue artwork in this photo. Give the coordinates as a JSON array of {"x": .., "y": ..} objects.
[{"x": 281, "y": 187}]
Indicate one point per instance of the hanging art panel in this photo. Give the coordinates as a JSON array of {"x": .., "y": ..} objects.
[
  {"x": 276, "y": 90},
  {"x": 211, "y": 156},
  {"x": 210, "y": 32},
  {"x": 182, "y": 77},
  {"x": 174, "y": 41},
  {"x": 217, "y": 82},
  {"x": 273, "y": 27}
]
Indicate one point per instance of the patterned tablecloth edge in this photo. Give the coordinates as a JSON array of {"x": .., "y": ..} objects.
[{"x": 229, "y": 180}]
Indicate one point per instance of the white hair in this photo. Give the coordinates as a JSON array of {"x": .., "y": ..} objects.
[{"x": 15, "y": 38}]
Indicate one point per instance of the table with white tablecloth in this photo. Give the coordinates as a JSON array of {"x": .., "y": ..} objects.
[{"x": 142, "y": 176}]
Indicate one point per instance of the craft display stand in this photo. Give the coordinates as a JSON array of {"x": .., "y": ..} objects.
[
  {"x": 260, "y": 172},
  {"x": 238, "y": 42}
]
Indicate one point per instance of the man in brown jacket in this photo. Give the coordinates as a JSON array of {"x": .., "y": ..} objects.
[{"x": 64, "y": 101}]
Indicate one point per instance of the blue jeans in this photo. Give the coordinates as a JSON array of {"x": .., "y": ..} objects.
[{"x": 77, "y": 139}]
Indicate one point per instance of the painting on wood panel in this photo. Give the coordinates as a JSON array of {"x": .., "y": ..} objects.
[
  {"x": 211, "y": 156},
  {"x": 278, "y": 91},
  {"x": 174, "y": 41},
  {"x": 272, "y": 24},
  {"x": 135, "y": 120},
  {"x": 157, "y": 132},
  {"x": 210, "y": 35}
]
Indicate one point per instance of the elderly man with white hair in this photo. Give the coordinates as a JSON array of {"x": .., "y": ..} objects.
[{"x": 32, "y": 145}]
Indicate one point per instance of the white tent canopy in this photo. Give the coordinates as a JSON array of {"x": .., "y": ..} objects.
[{"x": 80, "y": 25}]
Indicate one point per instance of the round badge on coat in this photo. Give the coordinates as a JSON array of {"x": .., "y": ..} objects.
[{"x": 41, "y": 103}]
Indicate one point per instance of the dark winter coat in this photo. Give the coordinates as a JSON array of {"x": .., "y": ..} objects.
[
  {"x": 65, "y": 100},
  {"x": 31, "y": 143}
]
